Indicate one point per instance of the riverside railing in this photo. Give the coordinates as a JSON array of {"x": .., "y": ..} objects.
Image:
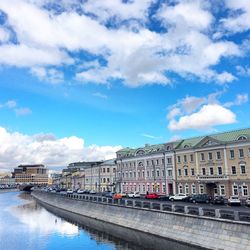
[{"x": 240, "y": 216}]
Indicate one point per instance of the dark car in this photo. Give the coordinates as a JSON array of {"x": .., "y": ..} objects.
[
  {"x": 218, "y": 200},
  {"x": 163, "y": 198},
  {"x": 200, "y": 198}
]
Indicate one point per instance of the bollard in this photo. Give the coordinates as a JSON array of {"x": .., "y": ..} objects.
[
  {"x": 161, "y": 207},
  {"x": 201, "y": 212},
  {"x": 186, "y": 209},
  {"x": 119, "y": 202},
  {"x": 217, "y": 213},
  {"x": 133, "y": 203},
  {"x": 236, "y": 215},
  {"x": 173, "y": 208}
]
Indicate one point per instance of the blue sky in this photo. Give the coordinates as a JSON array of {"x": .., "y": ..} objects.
[{"x": 81, "y": 79}]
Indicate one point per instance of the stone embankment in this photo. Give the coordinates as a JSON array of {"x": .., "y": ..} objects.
[{"x": 152, "y": 229}]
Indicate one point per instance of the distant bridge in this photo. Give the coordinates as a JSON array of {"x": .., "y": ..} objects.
[{"x": 27, "y": 186}]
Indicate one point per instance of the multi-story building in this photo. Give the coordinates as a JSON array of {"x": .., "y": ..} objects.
[
  {"x": 147, "y": 169},
  {"x": 217, "y": 164},
  {"x": 214, "y": 164},
  {"x": 32, "y": 174}
]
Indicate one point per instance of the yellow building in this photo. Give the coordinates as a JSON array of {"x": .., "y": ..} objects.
[{"x": 218, "y": 164}]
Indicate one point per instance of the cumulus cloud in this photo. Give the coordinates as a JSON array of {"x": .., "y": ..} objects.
[
  {"x": 132, "y": 52},
  {"x": 208, "y": 116},
  {"x": 203, "y": 113},
  {"x": 17, "y": 148},
  {"x": 12, "y": 105}
]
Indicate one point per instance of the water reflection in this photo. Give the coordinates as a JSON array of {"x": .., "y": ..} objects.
[{"x": 26, "y": 225}]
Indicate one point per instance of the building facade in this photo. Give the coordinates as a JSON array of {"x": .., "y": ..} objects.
[
  {"x": 218, "y": 164},
  {"x": 31, "y": 174},
  {"x": 147, "y": 169}
]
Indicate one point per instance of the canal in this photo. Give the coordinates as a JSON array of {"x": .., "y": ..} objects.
[{"x": 25, "y": 225}]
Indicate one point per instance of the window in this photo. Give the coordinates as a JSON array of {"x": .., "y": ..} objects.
[
  {"x": 203, "y": 171},
  {"x": 210, "y": 156},
  {"x": 222, "y": 190},
  {"x": 215, "y": 191},
  {"x": 218, "y": 155},
  {"x": 143, "y": 174},
  {"x": 193, "y": 189},
  {"x": 107, "y": 170},
  {"x": 147, "y": 163},
  {"x": 158, "y": 173},
  {"x": 180, "y": 189},
  {"x": 169, "y": 160},
  {"x": 163, "y": 188},
  {"x": 178, "y": 159},
  {"x": 231, "y": 154},
  {"x": 108, "y": 180},
  {"x": 126, "y": 174},
  {"x": 130, "y": 174},
  {"x": 185, "y": 158},
  {"x": 186, "y": 189},
  {"x": 134, "y": 174},
  {"x": 242, "y": 138},
  {"x": 163, "y": 173},
  {"x": 242, "y": 169},
  {"x": 211, "y": 171},
  {"x": 153, "y": 173},
  {"x": 103, "y": 170},
  {"x": 202, "y": 157},
  {"x": 139, "y": 173},
  {"x": 186, "y": 172},
  {"x": 235, "y": 190},
  {"x": 157, "y": 162},
  {"x": 104, "y": 180},
  {"x": 244, "y": 190},
  {"x": 147, "y": 173},
  {"x": 219, "y": 170},
  {"x": 192, "y": 171},
  {"x": 233, "y": 170},
  {"x": 152, "y": 162},
  {"x": 162, "y": 161},
  {"x": 170, "y": 173},
  {"x": 191, "y": 158},
  {"x": 241, "y": 153},
  {"x": 114, "y": 170},
  {"x": 179, "y": 172},
  {"x": 201, "y": 189}
]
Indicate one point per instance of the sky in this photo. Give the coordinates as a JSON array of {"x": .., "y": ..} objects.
[{"x": 81, "y": 79}]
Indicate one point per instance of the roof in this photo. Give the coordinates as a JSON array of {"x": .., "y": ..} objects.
[
  {"x": 224, "y": 137},
  {"x": 108, "y": 162}
]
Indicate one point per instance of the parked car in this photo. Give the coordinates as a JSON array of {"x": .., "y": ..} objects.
[
  {"x": 117, "y": 196},
  {"x": 152, "y": 196},
  {"x": 108, "y": 194},
  {"x": 178, "y": 197},
  {"x": 163, "y": 198},
  {"x": 218, "y": 200},
  {"x": 248, "y": 202},
  {"x": 92, "y": 192},
  {"x": 69, "y": 191},
  {"x": 200, "y": 198},
  {"x": 133, "y": 195},
  {"x": 233, "y": 200},
  {"x": 80, "y": 191}
]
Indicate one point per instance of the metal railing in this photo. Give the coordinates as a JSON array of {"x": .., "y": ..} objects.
[{"x": 230, "y": 215}]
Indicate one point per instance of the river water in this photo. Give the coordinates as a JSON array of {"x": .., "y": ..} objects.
[{"x": 25, "y": 225}]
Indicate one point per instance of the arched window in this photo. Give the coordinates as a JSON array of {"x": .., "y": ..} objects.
[
  {"x": 186, "y": 146},
  {"x": 168, "y": 148},
  {"x": 241, "y": 138},
  {"x": 140, "y": 152}
]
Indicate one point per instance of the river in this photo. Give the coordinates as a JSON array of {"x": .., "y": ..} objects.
[{"x": 25, "y": 225}]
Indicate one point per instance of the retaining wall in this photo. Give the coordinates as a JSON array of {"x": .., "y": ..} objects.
[{"x": 151, "y": 229}]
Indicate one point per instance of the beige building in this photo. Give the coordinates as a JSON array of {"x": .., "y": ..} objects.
[
  {"x": 218, "y": 164},
  {"x": 31, "y": 174}
]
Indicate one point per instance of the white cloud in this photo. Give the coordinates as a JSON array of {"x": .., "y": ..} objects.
[
  {"x": 202, "y": 112},
  {"x": 17, "y": 148},
  {"x": 240, "y": 99},
  {"x": 23, "y": 111},
  {"x": 48, "y": 74},
  {"x": 132, "y": 53},
  {"x": 4, "y": 35},
  {"x": 100, "y": 95},
  {"x": 9, "y": 104},
  {"x": 208, "y": 116},
  {"x": 151, "y": 136},
  {"x": 239, "y": 21}
]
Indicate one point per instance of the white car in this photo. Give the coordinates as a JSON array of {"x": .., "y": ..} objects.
[
  {"x": 133, "y": 195},
  {"x": 233, "y": 200},
  {"x": 69, "y": 191},
  {"x": 80, "y": 191},
  {"x": 178, "y": 197}
]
